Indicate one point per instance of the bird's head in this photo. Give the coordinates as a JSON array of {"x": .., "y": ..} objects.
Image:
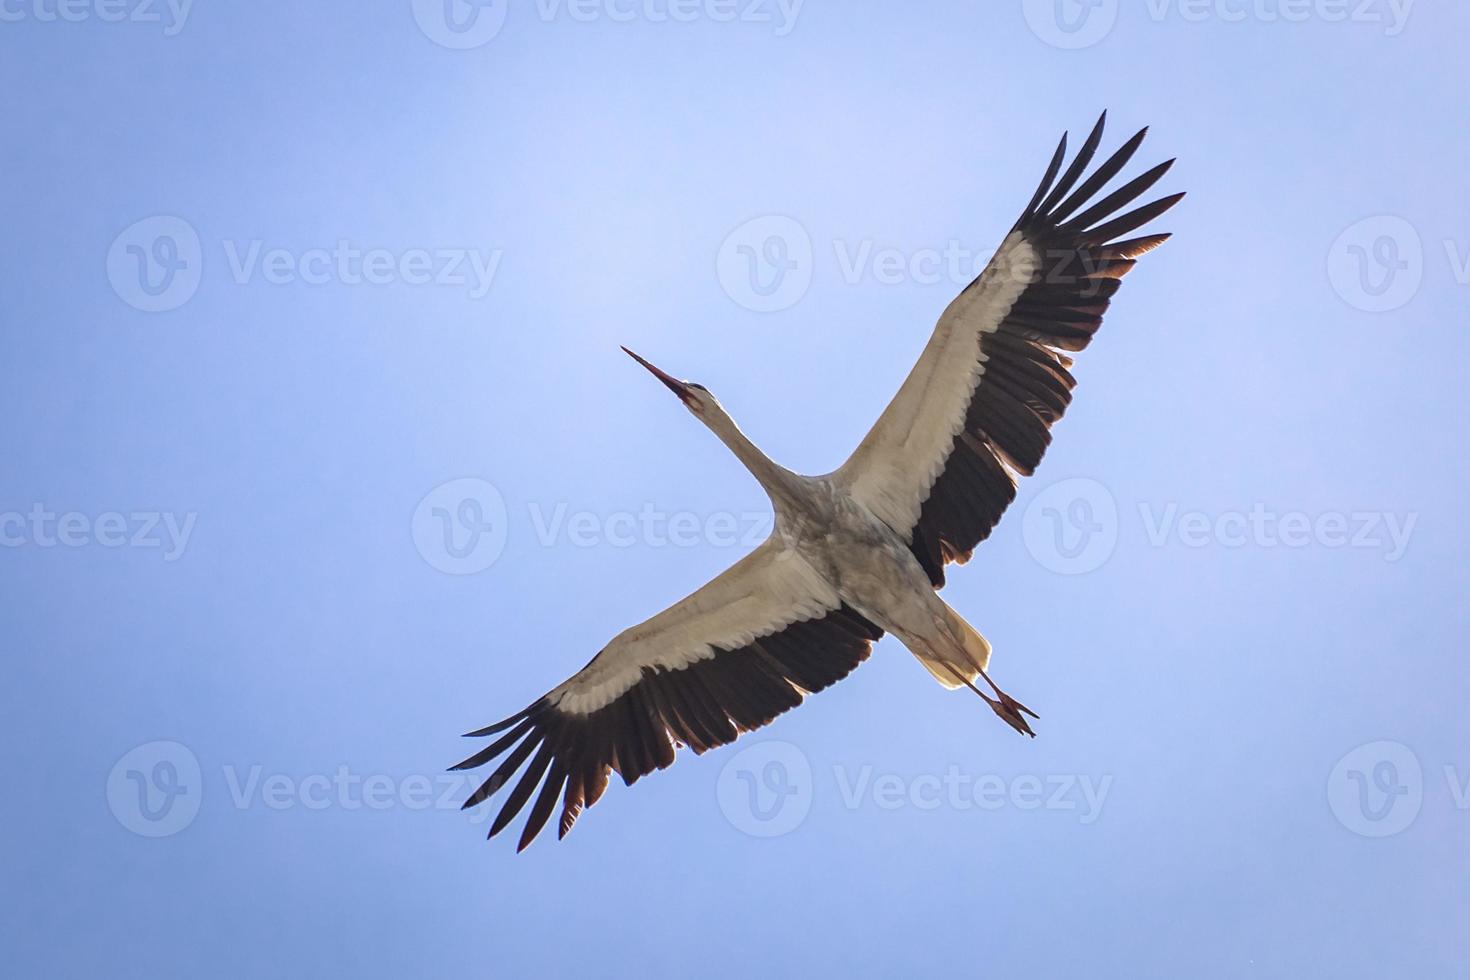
[{"x": 696, "y": 397}]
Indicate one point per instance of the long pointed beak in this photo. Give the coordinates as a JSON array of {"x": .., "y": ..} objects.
[{"x": 674, "y": 384}]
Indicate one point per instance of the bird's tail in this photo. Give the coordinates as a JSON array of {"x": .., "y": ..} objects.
[{"x": 953, "y": 668}]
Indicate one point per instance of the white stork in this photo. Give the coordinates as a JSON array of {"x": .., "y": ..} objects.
[{"x": 860, "y": 551}]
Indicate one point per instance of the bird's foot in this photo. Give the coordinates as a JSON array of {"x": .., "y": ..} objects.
[
  {"x": 1007, "y": 708},
  {"x": 1012, "y": 712}
]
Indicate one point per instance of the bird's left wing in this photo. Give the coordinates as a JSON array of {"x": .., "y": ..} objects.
[
  {"x": 978, "y": 406},
  {"x": 725, "y": 660}
]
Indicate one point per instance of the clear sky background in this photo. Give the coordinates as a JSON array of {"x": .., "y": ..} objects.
[{"x": 1235, "y": 591}]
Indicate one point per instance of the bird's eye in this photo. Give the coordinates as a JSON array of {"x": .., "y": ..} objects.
[{"x": 699, "y": 386}]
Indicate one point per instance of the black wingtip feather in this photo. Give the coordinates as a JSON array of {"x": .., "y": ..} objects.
[
  {"x": 545, "y": 803},
  {"x": 1026, "y": 385},
  {"x": 1119, "y": 198},
  {"x": 495, "y": 748},
  {"x": 530, "y": 779},
  {"x": 1095, "y": 182},
  {"x": 501, "y": 726},
  {"x": 1106, "y": 232},
  {"x": 1045, "y": 185},
  {"x": 704, "y": 704},
  {"x": 1079, "y": 164},
  {"x": 505, "y": 770}
]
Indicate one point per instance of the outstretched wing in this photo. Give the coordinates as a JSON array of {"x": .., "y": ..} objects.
[
  {"x": 940, "y": 464},
  {"x": 728, "y": 659}
]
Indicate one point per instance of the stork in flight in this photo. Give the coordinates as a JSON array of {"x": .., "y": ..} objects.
[{"x": 860, "y": 551}]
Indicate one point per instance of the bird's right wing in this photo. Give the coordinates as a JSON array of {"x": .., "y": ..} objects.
[
  {"x": 938, "y": 467},
  {"x": 727, "y": 659}
]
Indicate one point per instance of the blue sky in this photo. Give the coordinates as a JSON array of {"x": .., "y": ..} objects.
[{"x": 289, "y": 290}]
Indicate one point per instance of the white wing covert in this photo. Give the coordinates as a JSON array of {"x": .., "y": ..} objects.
[
  {"x": 939, "y": 465},
  {"x": 749, "y": 645}
]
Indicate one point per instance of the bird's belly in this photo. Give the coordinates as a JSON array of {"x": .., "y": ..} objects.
[{"x": 872, "y": 569}]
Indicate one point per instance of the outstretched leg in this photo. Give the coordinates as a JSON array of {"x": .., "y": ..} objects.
[
  {"x": 1011, "y": 710},
  {"x": 1007, "y": 708},
  {"x": 955, "y": 653},
  {"x": 976, "y": 650}
]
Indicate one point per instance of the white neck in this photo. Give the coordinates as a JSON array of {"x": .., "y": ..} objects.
[{"x": 781, "y": 485}]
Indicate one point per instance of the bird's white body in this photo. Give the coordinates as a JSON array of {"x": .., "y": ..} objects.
[
  {"x": 861, "y": 551},
  {"x": 874, "y": 571},
  {"x": 840, "y": 527},
  {"x": 827, "y": 546}
]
